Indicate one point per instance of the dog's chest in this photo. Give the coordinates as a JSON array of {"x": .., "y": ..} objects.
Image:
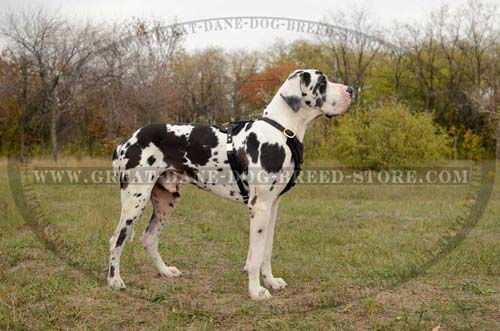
[{"x": 262, "y": 156}]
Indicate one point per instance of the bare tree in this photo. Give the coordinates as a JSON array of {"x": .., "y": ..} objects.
[
  {"x": 241, "y": 67},
  {"x": 482, "y": 56},
  {"x": 203, "y": 80},
  {"x": 56, "y": 51},
  {"x": 351, "y": 51}
]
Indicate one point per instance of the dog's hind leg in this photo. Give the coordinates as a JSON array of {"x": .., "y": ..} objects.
[
  {"x": 164, "y": 196},
  {"x": 133, "y": 199}
]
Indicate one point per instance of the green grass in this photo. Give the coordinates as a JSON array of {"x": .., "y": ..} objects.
[{"x": 345, "y": 252}]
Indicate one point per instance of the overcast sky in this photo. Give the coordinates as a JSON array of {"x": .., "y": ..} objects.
[{"x": 384, "y": 11}]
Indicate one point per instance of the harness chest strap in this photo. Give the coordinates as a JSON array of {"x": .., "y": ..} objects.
[
  {"x": 292, "y": 142},
  {"x": 234, "y": 163}
]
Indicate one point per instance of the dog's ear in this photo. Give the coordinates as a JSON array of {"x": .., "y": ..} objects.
[{"x": 291, "y": 90}]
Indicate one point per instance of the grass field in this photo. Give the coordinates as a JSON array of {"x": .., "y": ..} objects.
[{"x": 351, "y": 255}]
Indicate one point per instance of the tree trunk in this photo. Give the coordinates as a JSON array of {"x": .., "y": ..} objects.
[
  {"x": 21, "y": 139},
  {"x": 53, "y": 133},
  {"x": 497, "y": 150}
]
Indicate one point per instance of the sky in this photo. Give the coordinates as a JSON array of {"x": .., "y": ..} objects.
[{"x": 383, "y": 12}]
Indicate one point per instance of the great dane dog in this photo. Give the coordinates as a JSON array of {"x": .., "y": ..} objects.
[{"x": 171, "y": 154}]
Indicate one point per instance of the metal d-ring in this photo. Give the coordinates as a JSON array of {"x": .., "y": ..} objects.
[{"x": 287, "y": 134}]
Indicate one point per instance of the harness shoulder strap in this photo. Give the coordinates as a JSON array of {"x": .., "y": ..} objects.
[
  {"x": 292, "y": 142},
  {"x": 296, "y": 148}
]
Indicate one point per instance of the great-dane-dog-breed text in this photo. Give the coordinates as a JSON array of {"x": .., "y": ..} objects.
[{"x": 173, "y": 154}]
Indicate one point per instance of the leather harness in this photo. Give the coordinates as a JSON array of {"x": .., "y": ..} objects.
[{"x": 295, "y": 145}]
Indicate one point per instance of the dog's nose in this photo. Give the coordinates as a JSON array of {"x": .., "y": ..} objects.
[{"x": 349, "y": 90}]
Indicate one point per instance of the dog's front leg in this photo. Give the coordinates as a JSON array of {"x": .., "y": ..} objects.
[
  {"x": 260, "y": 214},
  {"x": 267, "y": 273}
]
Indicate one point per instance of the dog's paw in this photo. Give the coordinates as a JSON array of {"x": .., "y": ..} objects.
[
  {"x": 275, "y": 283},
  {"x": 261, "y": 293},
  {"x": 116, "y": 283},
  {"x": 170, "y": 272}
]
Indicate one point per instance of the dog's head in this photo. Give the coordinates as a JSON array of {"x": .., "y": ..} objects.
[{"x": 311, "y": 90}]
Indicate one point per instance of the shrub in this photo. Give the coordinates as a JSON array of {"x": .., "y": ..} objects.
[
  {"x": 318, "y": 141},
  {"x": 471, "y": 147},
  {"x": 389, "y": 137}
]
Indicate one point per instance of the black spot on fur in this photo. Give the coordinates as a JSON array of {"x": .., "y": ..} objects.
[
  {"x": 319, "y": 102},
  {"x": 260, "y": 231},
  {"x": 171, "y": 205},
  {"x": 128, "y": 222},
  {"x": 172, "y": 146},
  {"x": 243, "y": 159},
  {"x": 248, "y": 126},
  {"x": 254, "y": 200},
  {"x": 152, "y": 133},
  {"x": 320, "y": 85},
  {"x": 115, "y": 155},
  {"x": 306, "y": 77},
  {"x": 219, "y": 169},
  {"x": 121, "y": 237},
  {"x": 151, "y": 160},
  {"x": 272, "y": 157},
  {"x": 272, "y": 185},
  {"x": 133, "y": 154},
  {"x": 292, "y": 101},
  {"x": 112, "y": 271},
  {"x": 253, "y": 147},
  {"x": 124, "y": 181},
  {"x": 231, "y": 193},
  {"x": 137, "y": 195},
  {"x": 176, "y": 194},
  {"x": 308, "y": 102},
  {"x": 201, "y": 140}
]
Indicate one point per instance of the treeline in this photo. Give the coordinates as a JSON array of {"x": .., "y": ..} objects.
[{"x": 79, "y": 88}]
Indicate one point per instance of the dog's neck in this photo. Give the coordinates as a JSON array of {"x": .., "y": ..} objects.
[{"x": 282, "y": 113}]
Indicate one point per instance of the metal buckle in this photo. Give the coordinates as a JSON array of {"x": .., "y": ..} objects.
[{"x": 287, "y": 133}]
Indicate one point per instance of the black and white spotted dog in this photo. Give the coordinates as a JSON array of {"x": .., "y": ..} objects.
[{"x": 171, "y": 154}]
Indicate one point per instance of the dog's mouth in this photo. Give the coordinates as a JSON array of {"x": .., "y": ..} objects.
[{"x": 330, "y": 116}]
